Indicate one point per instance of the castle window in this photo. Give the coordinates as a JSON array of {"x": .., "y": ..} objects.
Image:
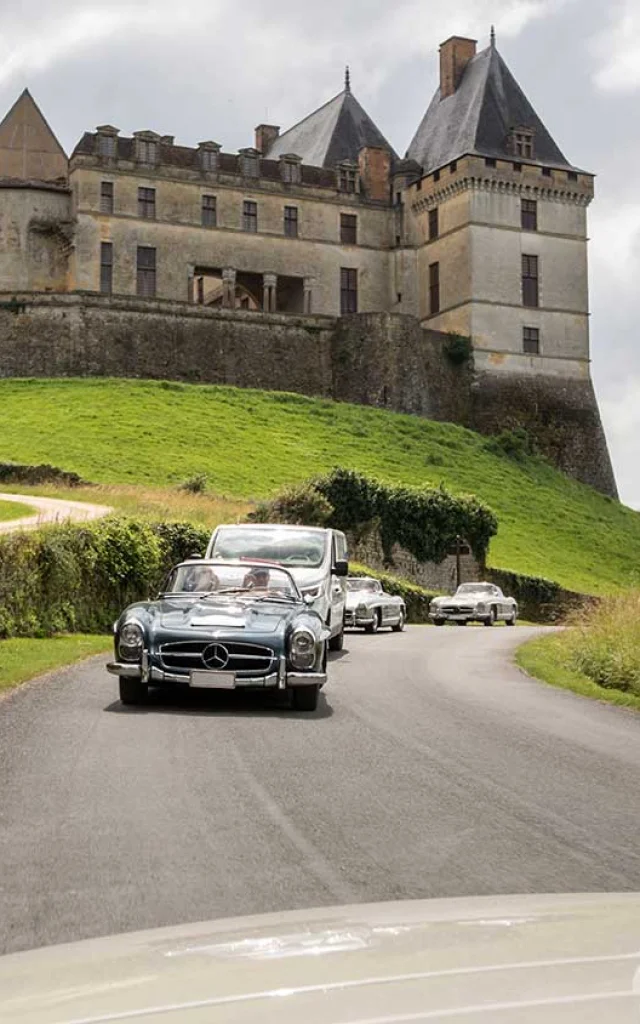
[
  {"x": 208, "y": 157},
  {"x": 106, "y": 197},
  {"x": 548, "y": 173},
  {"x": 106, "y": 268},
  {"x": 106, "y": 146},
  {"x": 146, "y": 151},
  {"x": 453, "y": 167},
  {"x": 517, "y": 167},
  {"x": 348, "y": 290},
  {"x": 291, "y": 221},
  {"x": 348, "y": 229},
  {"x": 249, "y": 163},
  {"x": 147, "y": 203},
  {"x": 433, "y": 223},
  {"x": 531, "y": 341},
  {"x": 209, "y": 211},
  {"x": 529, "y": 215},
  {"x": 290, "y": 170},
  {"x": 489, "y": 162},
  {"x": 530, "y": 282},
  {"x": 146, "y": 272},
  {"x": 521, "y": 142},
  {"x": 436, "y": 175},
  {"x": 347, "y": 178},
  {"x": 250, "y": 216},
  {"x": 572, "y": 176},
  {"x": 434, "y": 288}
]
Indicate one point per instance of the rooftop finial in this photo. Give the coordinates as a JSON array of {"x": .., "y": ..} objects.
[
  {"x": 493, "y": 37},
  {"x": 347, "y": 79}
]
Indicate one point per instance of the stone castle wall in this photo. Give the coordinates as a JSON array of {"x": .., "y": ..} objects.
[{"x": 379, "y": 359}]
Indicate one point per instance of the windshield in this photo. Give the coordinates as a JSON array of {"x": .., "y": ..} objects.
[
  {"x": 218, "y": 578},
  {"x": 274, "y": 544},
  {"x": 475, "y": 588},
  {"x": 371, "y": 586}
]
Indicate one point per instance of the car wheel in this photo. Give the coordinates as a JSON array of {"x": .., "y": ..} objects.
[
  {"x": 491, "y": 618},
  {"x": 438, "y": 622},
  {"x": 512, "y": 620},
  {"x": 399, "y": 626},
  {"x": 374, "y": 626},
  {"x": 305, "y": 698},
  {"x": 336, "y": 643},
  {"x": 132, "y": 691}
]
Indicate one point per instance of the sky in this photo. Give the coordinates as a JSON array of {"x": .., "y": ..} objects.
[{"x": 213, "y": 69}]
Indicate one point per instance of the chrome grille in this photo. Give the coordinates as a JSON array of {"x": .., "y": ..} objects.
[
  {"x": 247, "y": 659},
  {"x": 457, "y": 609}
]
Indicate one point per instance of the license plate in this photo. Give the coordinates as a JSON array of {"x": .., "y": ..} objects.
[{"x": 203, "y": 680}]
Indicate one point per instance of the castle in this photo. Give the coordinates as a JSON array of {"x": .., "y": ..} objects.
[{"x": 318, "y": 259}]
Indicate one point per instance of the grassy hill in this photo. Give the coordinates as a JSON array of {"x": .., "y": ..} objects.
[{"x": 251, "y": 443}]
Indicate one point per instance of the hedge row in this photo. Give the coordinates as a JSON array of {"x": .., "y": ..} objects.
[
  {"x": 80, "y": 577},
  {"x": 539, "y": 600},
  {"x": 17, "y": 473},
  {"x": 416, "y": 598}
]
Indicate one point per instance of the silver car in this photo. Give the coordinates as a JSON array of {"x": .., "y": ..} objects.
[
  {"x": 369, "y": 607},
  {"x": 474, "y": 602}
]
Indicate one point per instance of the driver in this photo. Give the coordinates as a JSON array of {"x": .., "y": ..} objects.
[
  {"x": 203, "y": 580},
  {"x": 256, "y": 579}
]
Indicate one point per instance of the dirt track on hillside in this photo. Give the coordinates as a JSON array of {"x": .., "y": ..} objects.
[{"x": 50, "y": 510}]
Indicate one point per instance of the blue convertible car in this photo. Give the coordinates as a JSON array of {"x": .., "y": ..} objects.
[{"x": 222, "y": 625}]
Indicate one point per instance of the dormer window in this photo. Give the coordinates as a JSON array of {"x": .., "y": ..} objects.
[
  {"x": 521, "y": 142},
  {"x": 250, "y": 163},
  {"x": 146, "y": 148},
  {"x": 208, "y": 156},
  {"x": 107, "y": 142},
  {"x": 291, "y": 169},
  {"x": 348, "y": 178}
]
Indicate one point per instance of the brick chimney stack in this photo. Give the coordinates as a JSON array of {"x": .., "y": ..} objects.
[
  {"x": 455, "y": 54},
  {"x": 266, "y": 135}
]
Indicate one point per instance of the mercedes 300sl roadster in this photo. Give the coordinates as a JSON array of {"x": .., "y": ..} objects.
[
  {"x": 222, "y": 625},
  {"x": 369, "y": 607},
  {"x": 474, "y": 602}
]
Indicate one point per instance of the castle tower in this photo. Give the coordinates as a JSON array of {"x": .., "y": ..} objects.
[{"x": 499, "y": 216}]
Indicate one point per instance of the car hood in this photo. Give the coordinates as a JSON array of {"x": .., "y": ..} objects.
[
  {"x": 473, "y": 597},
  {"x": 354, "y": 598},
  {"x": 530, "y": 959},
  {"x": 184, "y": 615}
]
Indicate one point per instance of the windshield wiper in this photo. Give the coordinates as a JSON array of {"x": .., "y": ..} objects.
[{"x": 276, "y": 597}]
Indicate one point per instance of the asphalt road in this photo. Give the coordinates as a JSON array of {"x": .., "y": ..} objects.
[
  {"x": 432, "y": 768},
  {"x": 49, "y": 510}
]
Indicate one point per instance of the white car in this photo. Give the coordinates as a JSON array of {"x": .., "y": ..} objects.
[
  {"x": 474, "y": 602},
  {"x": 370, "y": 608},
  {"x": 571, "y": 959},
  {"x": 316, "y": 558}
]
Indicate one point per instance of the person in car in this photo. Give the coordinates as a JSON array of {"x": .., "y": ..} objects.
[
  {"x": 202, "y": 580},
  {"x": 256, "y": 579}
]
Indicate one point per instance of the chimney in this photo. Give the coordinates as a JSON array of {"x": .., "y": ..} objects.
[
  {"x": 455, "y": 54},
  {"x": 266, "y": 135},
  {"x": 375, "y": 172}
]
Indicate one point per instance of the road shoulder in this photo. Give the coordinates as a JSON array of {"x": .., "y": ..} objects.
[{"x": 23, "y": 659}]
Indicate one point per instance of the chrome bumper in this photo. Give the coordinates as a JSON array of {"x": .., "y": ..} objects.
[
  {"x": 353, "y": 620},
  {"x": 275, "y": 680}
]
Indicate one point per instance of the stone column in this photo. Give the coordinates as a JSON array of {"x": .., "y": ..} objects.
[
  {"x": 229, "y": 288},
  {"x": 307, "y": 304},
  {"x": 269, "y": 292}
]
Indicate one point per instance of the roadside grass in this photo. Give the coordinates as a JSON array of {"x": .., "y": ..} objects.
[
  {"x": 598, "y": 656},
  {"x": 24, "y": 659},
  {"x": 154, "y": 435},
  {"x": 14, "y": 510}
]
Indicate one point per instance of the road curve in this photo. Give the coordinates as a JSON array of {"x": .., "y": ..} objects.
[
  {"x": 432, "y": 767},
  {"x": 50, "y": 510}
]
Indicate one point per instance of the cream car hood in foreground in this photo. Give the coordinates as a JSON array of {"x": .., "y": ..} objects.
[{"x": 516, "y": 959}]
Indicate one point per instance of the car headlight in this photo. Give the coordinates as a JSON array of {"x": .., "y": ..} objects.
[
  {"x": 131, "y": 641},
  {"x": 481, "y": 606},
  {"x": 362, "y": 609},
  {"x": 302, "y": 650},
  {"x": 313, "y": 592}
]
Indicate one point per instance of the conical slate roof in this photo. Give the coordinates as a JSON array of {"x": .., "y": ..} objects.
[
  {"x": 477, "y": 119},
  {"x": 335, "y": 132}
]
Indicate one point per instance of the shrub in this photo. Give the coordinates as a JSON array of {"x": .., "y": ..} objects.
[
  {"x": 424, "y": 522},
  {"x": 301, "y": 506},
  {"x": 195, "y": 484},
  {"x": 604, "y": 643},
  {"x": 516, "y": 444},
  {"x": 458, "y": 348}
]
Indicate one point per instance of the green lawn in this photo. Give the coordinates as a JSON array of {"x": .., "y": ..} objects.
[
  {"x": 24, "y": 659},
  {"x": 251, "y": 443},
  {"x": 545, "y": 658},
  {"x": 14, "y": 510}
]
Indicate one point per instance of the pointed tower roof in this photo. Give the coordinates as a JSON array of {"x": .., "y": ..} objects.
[
  {"x": 29, "y": 150},
  {"x": 335, "y": 132},
  {"x": 478, "y": 117}
]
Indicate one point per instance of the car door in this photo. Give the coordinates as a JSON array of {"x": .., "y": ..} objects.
[{"x": 338, "y": 584}]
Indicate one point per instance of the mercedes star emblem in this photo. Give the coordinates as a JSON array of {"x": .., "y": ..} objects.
[{"x": 215, "y": 656}]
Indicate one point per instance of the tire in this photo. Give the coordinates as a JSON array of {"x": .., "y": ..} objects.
[
  {"x": 336, "y": 643},
  {"x": 399, "y": 625},
  {"x": 305, "y": 698},
  {"x": 492, "y": 618},
  {"x": 438, "y": 622},
  {"x": 374, "y": 626},
  {"x": 132, "y": 691},
  {"x": 512, "y": 620}
]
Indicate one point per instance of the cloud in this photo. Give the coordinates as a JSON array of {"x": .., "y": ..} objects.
[{"x": 617, "y": 49}]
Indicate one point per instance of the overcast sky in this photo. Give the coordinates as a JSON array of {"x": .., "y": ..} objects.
[{"x": 213, "y": 69}]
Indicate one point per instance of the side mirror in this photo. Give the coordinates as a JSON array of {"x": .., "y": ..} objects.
[
  {"x": 308, "y": 599},
  {"x": 341, "y": 568},
  {"x": 196, "y": 554}
]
